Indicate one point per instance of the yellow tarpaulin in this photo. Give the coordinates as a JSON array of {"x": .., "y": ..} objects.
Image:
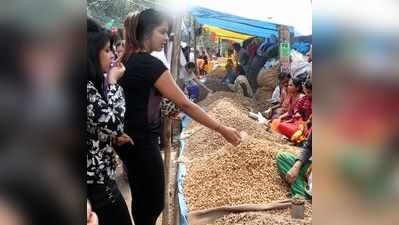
[{"x": 225, "y": 34}]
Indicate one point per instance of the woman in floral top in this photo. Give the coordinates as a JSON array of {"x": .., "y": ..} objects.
[{"x": 105, "y": 114}]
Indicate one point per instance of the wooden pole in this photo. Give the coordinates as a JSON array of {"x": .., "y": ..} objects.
[
  {"x": 175, "y": 63},
  {"x": 218, "y": 52},
  {"x": 195, "y": 46},
  {"x": 284, "y": 39},
  {"x": 176, "y": 214},
  {"x": 175, "y": 69},
  {"x": 166, "y": 150},
  {"x": 189, "y": 36}
]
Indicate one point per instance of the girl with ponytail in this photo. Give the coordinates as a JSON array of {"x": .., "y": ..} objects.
[{"x": 146, "y": 80}]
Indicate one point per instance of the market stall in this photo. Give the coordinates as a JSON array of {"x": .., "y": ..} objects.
[{"x": 215, "y": 179}]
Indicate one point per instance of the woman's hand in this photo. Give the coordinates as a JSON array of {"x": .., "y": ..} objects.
[
  {"x": 309, "y": 122},
  {"x": 123, "y": 140},
  {"x": 290, "y": 120},
  {"x": 92, "y": 218},
  {"x": 308, "y": 172},
  {"x": 293, "y": 172},
  {"x": 297, "y": 116},
  {"x": 88, "y": 210},
  {"x": 169, "y": 89},
  {"x": 115, "y": 73},
  {"x": 230, "y": 134}
]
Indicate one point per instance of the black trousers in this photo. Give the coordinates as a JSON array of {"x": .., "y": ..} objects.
[
  {"x": 146, "y": 178},
  {"x": 108, "y": 203}
]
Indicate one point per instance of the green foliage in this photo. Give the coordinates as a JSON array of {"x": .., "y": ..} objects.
[
  {"x": 205, "y": 41},
  {"x": 106, "y": 10}
]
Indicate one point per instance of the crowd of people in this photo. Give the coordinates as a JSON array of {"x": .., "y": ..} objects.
[
  {"x": 127, "y": 81},
  {"x": 289, "y": 111}
]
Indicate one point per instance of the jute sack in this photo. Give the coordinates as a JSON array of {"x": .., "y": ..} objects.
[
  {"x": 208, "y": 216},
  {"x": 219, "y": 72},
  {"x": 262, "y": 95},
  {"x": 267, "y": 78}
]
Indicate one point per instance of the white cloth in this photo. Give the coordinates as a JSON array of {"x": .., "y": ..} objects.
[
  {"x": 161, "y": 56},
  {"x": 299, "y": 64},
  {"x": 187, "y": 77},
  {"x": 276, "y": 94},
  {"x": 238, "y": 86},
  {"x": 191, "y": 57},
  {"x": 183, "y": 60},
  {"x": 269, "y": 64},
  {"x": 309, "y": 188}
]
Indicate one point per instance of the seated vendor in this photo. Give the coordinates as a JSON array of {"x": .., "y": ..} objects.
[
  {"x": 231, "y": 74},
  {"x": 297, "y": 170},
  {"x": 236, "y": 81},
  {"x": 294, "y": 93},
  {"x": 192, "y": 83},
  {"x": 303, "y": 108},
  {"x": 278, "y": 97}
]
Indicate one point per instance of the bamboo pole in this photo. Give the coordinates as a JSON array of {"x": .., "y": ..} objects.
[
  {"x": 284, "y": 37},
  {"x": 195, "y": 46},
  {"x": 175, "y": 69},
  {"x": 175, "y": 62},
  {"x": 166, "y": 150},
  {"x": 176, "y": 214},
  {"x": 219, "y": 47},
  {"x": 189, "y": 36}
]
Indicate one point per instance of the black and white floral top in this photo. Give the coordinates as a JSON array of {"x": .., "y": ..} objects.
[{"x": 104, "y": 119}]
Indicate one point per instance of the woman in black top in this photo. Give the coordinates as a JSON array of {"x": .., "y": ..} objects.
[
  {"x": 105, "y": 114},
  {"x": 145, "y": 81}
]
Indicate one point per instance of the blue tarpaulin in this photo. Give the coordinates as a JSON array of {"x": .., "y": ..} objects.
[
  {"x": 302, "y": 47},
  {"x": 181, "y": 173},
  {"x": 235, "y": 23}
]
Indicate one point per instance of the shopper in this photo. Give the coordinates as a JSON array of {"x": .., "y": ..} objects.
[
  {"x": 105, "y": 112},
  {"x": 145, "y": 81}
]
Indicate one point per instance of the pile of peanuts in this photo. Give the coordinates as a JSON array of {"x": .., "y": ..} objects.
[
  {"x": 236, "y": 175},
  {"x": 230, "y": 110},
  {"x": 219, "y": 174}
]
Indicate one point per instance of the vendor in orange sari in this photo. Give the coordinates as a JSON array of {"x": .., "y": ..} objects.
[{"x": 291, "y": 124}]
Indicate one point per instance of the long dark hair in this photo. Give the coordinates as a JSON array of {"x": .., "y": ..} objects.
[
  {"x": 97, "y": 38},
  {"x": 308, "y": 84},
  {"x": 297, "y": 83},
  {"x": 138, "y": 27}
]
